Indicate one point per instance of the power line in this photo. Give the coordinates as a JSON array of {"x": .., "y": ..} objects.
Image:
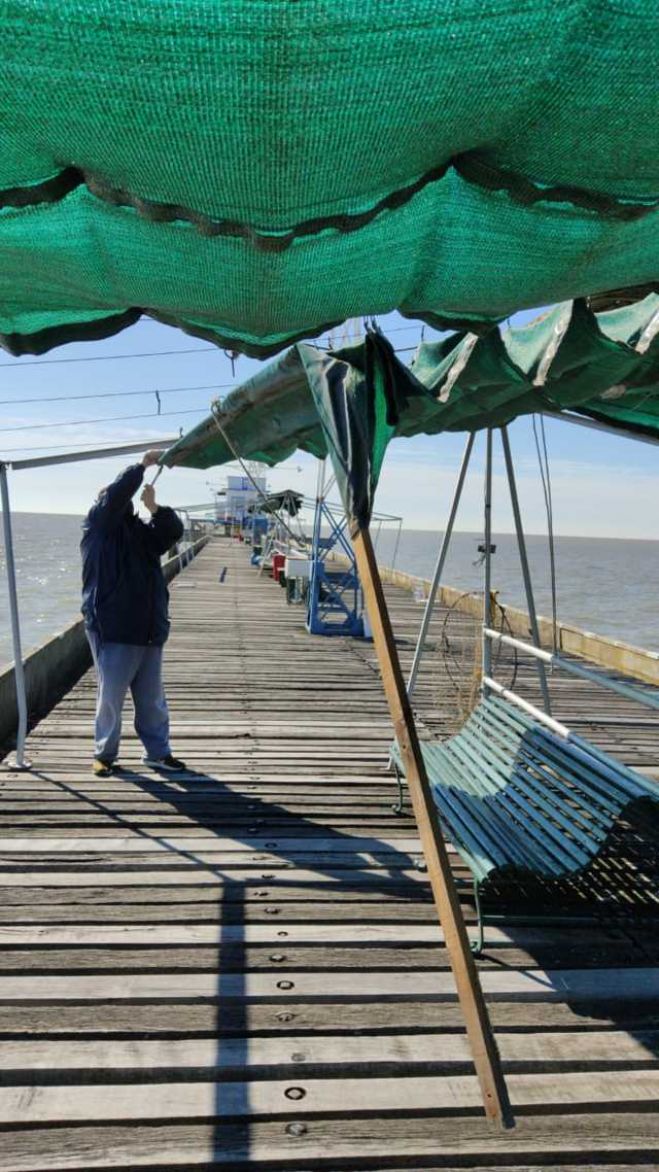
[
  {"x": 117, "y": 394},
  {"x": 128, "y": 394},
  {"x": 103, "y": 419},
  {"x": 147, "y": 354},
  {"x": 110, "y": 357}
]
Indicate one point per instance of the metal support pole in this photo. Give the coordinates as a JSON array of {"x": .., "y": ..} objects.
[
  {"x": 397, "y": 543},
  {"x": 526, "y": 573},
  {"x": 487, "y": 584},
  {"x": 19, "y": 674},
  {"x": 439, "y": 568}
]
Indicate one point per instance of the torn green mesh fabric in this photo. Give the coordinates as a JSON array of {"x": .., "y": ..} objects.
[{"x": 351, "y": 402}]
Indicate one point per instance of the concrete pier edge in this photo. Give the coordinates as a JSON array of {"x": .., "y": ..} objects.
[{"x": 612, "y": 654}]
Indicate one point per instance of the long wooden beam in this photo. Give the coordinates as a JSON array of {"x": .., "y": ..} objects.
[{"x": 479, "y": 1029}]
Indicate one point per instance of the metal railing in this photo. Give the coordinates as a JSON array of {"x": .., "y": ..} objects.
[{"x": 554, "y": 660}]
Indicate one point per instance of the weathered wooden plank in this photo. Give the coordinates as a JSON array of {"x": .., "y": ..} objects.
[
  {"x": 310, "y": 1096},
  {"x": 199, "y": 876},
  {"x": 370, "y": 1143},
  {"x": 335, "y": 845},
  {"x": 238, "y": 957},
  {"x": 70, "y": 1021},
  {"x": 621, "y": 984},
  {"x": 45, "y": 935},
  {"x": 297, "y": 1054}
]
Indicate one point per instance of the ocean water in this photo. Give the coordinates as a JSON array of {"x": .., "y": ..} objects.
[
  {"x": 46, "y": 551},
  {"x": 604, "y": 585}
]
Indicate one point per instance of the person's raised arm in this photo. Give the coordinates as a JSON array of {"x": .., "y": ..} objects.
[
  {"x": 165, "y": 527},
  {"x": 107, "y": 511}
]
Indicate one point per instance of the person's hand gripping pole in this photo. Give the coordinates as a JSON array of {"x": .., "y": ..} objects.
[{"x": 148, "y": 497}]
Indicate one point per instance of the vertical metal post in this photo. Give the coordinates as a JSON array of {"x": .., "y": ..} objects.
[
  {"x": 487, "y": 584},
  {"x": 526, "y": 573},
  {"x": 439, "y": 568},
  {"x": 395, "y": 553},
  {"x": 315, "y": 543},
  {"x": 19, "y": 674}
]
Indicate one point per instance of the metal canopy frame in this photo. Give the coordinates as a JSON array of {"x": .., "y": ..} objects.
[
  {"x": 74, "y": 457},
  {"x": 598, "y": 425},
  {"x": 487, "y": 564}
]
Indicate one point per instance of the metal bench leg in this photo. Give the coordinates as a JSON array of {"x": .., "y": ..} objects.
[
  {"x": 399, "y": 806},
  {"x": 478, "y": 944}
]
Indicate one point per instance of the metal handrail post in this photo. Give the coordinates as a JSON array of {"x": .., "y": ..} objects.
[
  {"x": 19, "y": 673},
  {"x": 315, "y": 539},
  {"x": 629, "y": 691},
  {"x": 486, "y": 652},
  {"x": 397, "y": 543},
  {"x": 439, "y": 568},
  {"x": 523, "y": 557}
]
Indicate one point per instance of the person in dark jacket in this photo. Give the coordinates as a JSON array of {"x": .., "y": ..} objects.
[{"x": 125, "y": 603}]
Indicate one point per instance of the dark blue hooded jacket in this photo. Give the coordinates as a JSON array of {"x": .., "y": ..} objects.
[{"x": 124, "y": 596}]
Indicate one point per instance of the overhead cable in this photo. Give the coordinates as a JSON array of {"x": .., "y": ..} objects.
[
  {"x": 105, "y": 357},
  {"x": 118, "y": 394},
  {"x": 102, "y": 419}
]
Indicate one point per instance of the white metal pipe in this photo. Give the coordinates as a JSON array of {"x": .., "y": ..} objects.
[
  {"x": 629, "y": 691},
  {"x": 511, "y": 641},
  {"x": 597, "y": 425},
  {"x": 492, "y": 686},
  {"x": 92, "y": 454},
  {"x": 524, "y": 561},
  {"x": 439, "y": 567},
  {"x": 19, "y": 674},
  {"x": 397, "y": 543},
  {"x": 487, "y": 584}
]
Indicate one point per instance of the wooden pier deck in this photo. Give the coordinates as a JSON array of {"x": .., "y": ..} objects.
[{"x": 241, "y": 967}]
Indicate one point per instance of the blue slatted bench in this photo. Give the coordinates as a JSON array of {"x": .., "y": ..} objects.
[{"x": 515, "y": 797}]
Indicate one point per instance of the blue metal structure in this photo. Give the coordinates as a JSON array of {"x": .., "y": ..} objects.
[
  {"x": 255, "y": 528},
  {"x": 335, "y": 596}
]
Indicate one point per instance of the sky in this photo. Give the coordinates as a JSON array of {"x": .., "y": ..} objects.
[{"x": 104, "y": 393}]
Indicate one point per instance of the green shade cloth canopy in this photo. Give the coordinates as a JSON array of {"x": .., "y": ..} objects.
[
  {"x": 360, "y": 394},
  {"x": 257, "y": 170},
  {"x": 604, "y": 365},
  {"x": 288, "y": 501},
  {"x": 349, "y": 403}
]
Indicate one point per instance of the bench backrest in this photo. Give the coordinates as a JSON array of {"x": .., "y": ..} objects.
[{"x": 513, "y": 793}]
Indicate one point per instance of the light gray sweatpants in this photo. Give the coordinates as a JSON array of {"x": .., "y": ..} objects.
[{"x": 120, "y": 666}]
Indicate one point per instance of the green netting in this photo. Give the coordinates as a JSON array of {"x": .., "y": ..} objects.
[
  {"x": 569, "y": 359},
  {"x": 360, "y": 394},
  {"x": 255, "y": 170},
  {"x": 603, "y": 365}
]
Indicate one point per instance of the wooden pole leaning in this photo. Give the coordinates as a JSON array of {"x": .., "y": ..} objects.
[{"x": 479, "y": 1029}]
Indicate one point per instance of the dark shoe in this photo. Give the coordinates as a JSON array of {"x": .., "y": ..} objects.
[
  {"x": 168, "y": 764},
  {"x": 102, "y": 768}
]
